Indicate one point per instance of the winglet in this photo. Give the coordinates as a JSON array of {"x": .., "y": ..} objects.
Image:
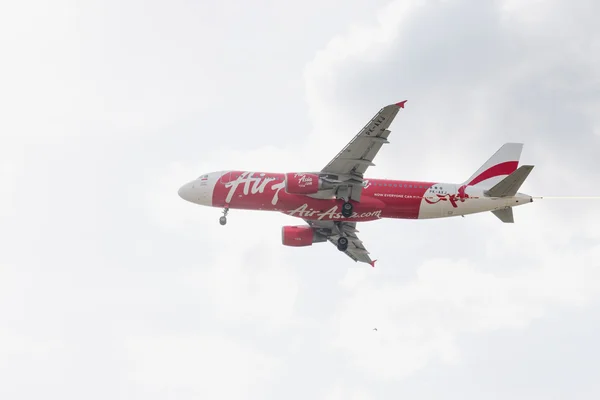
[
  {"x": 401, "y": 104},
  {"x": 373, "y": 263}
]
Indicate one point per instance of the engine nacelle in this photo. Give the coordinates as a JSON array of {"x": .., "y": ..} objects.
[
  {"x": 298, "y": 236},
  {"x": 301, "y": 183}
]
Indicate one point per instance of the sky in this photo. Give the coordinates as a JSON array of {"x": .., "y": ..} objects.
[{"x": 111, "y": 286}]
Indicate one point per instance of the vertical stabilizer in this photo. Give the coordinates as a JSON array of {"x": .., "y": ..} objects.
[{"x": 503, "y": 163}]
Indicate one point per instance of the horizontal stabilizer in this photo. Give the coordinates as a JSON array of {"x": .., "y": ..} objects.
[
  {"x": 505, "y": 215},
  {"x": 510, "y": 185}
]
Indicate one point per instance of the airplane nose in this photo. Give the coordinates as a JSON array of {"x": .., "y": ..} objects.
[
  {"x": 197, "y": 192},
  {"x": 185, "y": 192}
]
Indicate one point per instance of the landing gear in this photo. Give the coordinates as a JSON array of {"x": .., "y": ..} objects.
[
  {"x": 223, "y": 219},
  {"x": 344, "y": 193},
  {"x": 342, "y": 243},
  {"x": 347, "y": 209}
]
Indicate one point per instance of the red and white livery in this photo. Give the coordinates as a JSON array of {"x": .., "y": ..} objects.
[{"x": 333, "y": 200}]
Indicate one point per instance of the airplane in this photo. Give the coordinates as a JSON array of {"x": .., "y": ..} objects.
[{"x": 335, "y": 199}]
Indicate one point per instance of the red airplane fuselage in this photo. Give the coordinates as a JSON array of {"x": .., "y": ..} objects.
[{"x": 380, "y": 198}]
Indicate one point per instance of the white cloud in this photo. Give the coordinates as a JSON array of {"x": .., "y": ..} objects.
[
  {"x": 8, "y": 179},
  {"x": 39, "y": 91},
  {"x": 342, "y": 392},
  {"x": 420, "y": 321},
  {"x": 207, "y": 366},
  {"x": 253, "y": 284},
  {"x": 23, "y": 356}
]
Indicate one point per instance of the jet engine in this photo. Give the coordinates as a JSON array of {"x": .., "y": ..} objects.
[
  {"x": 303, "y": 183},
  {"x": 298, "y": 236}
]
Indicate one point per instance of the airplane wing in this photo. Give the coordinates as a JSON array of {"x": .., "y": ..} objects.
[
  {"x": 351, "y": 163},
  {"x": 332, "y": 230}
]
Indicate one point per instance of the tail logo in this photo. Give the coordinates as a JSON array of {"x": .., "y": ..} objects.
[
  {"x": 452, "y": 198},
  {"x": 505, "y": 168}
]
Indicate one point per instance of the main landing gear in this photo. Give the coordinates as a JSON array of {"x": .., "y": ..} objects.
[
  {"x": 223, "y": 219},
  {"x": 347, "y": 209},
  {"x": 342, "y": 243}
]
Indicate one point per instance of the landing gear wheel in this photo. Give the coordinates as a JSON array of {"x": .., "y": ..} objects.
[
  {"x": 342, "y": 244},
  {"x": 347, "y": 209},
  {"x": 223, "y": 219}
]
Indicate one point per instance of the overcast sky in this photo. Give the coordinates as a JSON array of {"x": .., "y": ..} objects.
[{"x": 113, "y": 287}]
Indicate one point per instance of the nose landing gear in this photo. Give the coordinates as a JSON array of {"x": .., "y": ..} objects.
[{"x": 223, "y": 219}]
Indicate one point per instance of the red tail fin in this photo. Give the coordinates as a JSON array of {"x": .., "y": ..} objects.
[{"x": 503, "y": 163}]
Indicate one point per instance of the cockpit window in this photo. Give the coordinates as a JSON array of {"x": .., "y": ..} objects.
[{"x": 205, "y": 176}]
